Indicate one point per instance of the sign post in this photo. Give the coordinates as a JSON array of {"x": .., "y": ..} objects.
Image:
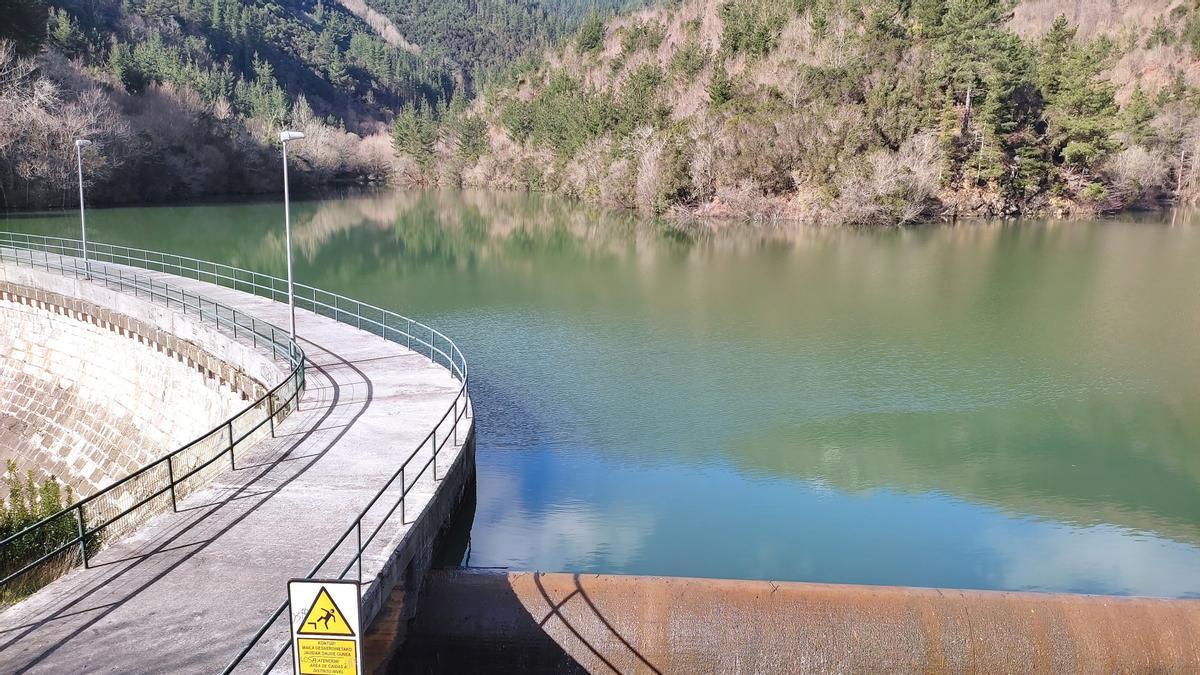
[{"x": 326, "y": 627}]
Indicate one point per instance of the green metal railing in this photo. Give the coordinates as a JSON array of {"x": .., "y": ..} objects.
[{"x": 45, "y": 549}]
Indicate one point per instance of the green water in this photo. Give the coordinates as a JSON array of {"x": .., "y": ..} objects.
[{"x": 983, "y": 406}]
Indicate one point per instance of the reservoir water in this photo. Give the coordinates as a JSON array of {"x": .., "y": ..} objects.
[{"x": 1000, "y": 406}]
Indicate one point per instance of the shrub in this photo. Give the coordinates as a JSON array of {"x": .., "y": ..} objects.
[
  {"x": 638, "y": 35},
  {"x": 688, "y": 60},
  {"x": 894, "y": 188},
  {"x": 1191, "y": 33},
  {"x": 591, "y": 33},
  {"x": 27, "y": 503},
  {"x": 1137, "y": 174}
]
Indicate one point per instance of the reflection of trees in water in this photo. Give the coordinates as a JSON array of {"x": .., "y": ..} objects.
[
  {"x": 441, "y": 228},
  {"x": 1085, "y": 463},
  {"x": 455, "y": 227}
]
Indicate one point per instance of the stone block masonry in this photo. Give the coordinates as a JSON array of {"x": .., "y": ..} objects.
[{"x": 90, "y": 395}]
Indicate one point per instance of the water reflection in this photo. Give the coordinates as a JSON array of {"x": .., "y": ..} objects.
[{"x": 988, "y": 405}]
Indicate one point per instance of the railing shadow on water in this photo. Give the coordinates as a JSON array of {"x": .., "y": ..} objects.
[
  {"x": 345, "y": 557},
  {"x": 52, "y": 546}
]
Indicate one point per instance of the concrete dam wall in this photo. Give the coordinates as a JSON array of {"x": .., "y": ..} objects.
[
  {"x": 496, "y": 622},
  {"x": 94, "y": 385}
]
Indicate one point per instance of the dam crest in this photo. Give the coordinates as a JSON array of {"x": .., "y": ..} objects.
[{"x": 348, "y": 468}]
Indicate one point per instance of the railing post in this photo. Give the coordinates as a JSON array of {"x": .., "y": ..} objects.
[
  {"x": 82, "y": 537},
  {"x": 455, "y": 421},
  {"x": 231, "y": 464},
  {"x": 360, "y": 549},
  {"x": 171, "y": 476},
  {"x": 434, "y": 437},
  {"x": 271, "y": 411},
  {"x": 403, "y": 489}
]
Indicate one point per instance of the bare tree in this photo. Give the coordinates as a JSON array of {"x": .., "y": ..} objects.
[
  {"x": 1138, "y": 174},
  {"x": 38, "y": 126}
]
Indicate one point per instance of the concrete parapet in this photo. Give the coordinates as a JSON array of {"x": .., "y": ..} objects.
[{"x": 390, "y": 602}]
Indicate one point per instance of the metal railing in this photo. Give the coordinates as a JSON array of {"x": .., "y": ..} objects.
[
  {"x": 346, "y": 553},
  {"x": 45, "y": 549}
]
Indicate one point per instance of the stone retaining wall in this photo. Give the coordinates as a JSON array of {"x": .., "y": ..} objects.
[{"x": 96, "y": 384}]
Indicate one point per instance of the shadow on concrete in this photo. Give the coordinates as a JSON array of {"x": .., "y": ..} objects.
[
  {"x": 476, "y": 627},
  {"x": 139, "y": 583},
  {"x": 453, "y": 547},
  {"x": 473, "y": 621}
]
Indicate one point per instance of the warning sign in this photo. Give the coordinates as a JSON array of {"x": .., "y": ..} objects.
[
  {"x": 324, "y": 617},
  {"x": 318, "y": 656},
  {"x": 326, "y": 635}
]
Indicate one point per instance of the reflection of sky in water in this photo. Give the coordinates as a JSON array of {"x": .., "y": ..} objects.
[{"x": 541, "y": 508}]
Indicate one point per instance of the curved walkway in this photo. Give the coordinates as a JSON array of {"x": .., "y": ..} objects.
[{"x": 186, "y": 592}]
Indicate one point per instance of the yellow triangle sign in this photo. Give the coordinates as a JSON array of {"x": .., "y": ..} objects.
[{"x": 324, "y": 618}]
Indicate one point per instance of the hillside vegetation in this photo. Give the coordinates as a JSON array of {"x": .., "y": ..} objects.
[
  {"x": 184, "y": 97},
  {"x": 850, "y": 111}
]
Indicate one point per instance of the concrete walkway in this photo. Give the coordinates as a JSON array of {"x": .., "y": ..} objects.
[{"x": 187, "y": 592}]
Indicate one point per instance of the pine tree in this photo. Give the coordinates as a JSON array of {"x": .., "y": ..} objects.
[
  {"x": 591, "y": 33},
  {"x": 927, "y": 16},
  {"x": 64, "y": 32},
  {"x": 1080, "y": 107},
  {"x": 414, "y": 133},
  {"x": 339, "y": 76},
  {"x": 471, "y": 137},
  {"x": 1137, "y": 117},
  {"x": 720, "y": 87}
]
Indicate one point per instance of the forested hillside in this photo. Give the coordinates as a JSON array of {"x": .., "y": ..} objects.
[
  {"x": 851, "y": 111},
  {"x": 857, "y": 111},
  {"x": 184, "y": 96}
]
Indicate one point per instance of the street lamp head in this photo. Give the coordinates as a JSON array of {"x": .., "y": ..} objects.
[
  {"x": 82, "y": 143},
  {"x": 286, "y": 136}
]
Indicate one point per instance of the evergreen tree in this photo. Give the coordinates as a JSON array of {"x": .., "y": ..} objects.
[
  {"x": 1137, "y": 117},
  {"x": 339, "y": 76},
  {"x": 414, "y": 133},
  {"x": 1080, "y": 107},
  {"x": 927, "y": 16},
  {"x": 471, "y": 137},
  {"x": 591, "y": 33},
  {"x": 720, "y": 87},
  {"x": 64, "y": 32}
]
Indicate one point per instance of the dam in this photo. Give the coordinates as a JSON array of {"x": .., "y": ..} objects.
[
  {"x": 353, "y": 451},
  {"x": 626, "y": 619}
]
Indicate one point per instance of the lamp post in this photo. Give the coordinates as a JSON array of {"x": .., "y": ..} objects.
[
  {"x": 80, "y": 144},
  {"x": 284, "y": 137}
]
